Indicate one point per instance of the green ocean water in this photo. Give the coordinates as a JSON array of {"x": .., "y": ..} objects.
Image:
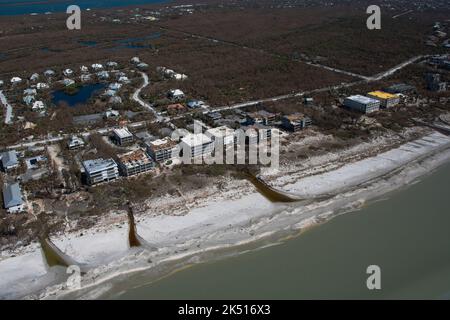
[{"x": 407, "y": 235}]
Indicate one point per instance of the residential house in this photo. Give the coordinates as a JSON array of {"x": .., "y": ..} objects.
[
  {"x": 9, "y": 160},
  {"x": 75, "y": 143},
  {"x": 103, "y": 75},
  {"x": 97, "y": 66},
  {"x": 42, "y": 86},
  {"x": 16, "y": 80},
  {"x": 49, "y": 73},
  {"x": 100, "y": 170},
  {"x": 175, "y": 108},
  {"x": 176, "y": 95},
  {"x": 68, "y": 82},
  {"x": 214, "y": 116},
  {"x": 38, "y": 106},
  {"x": 34, "y": 77},
  {"x": 12, "y": 198},
  {"x": 68, "y": 72}
]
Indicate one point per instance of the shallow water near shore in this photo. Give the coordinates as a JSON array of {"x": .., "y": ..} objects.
[{"x": 406, "y": 234}]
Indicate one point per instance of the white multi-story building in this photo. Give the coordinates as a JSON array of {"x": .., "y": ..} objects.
[
  {"x": 362, "y": 103},
  {"x": 122, "y": 136},
  {"x": 134, "y": 162},
  {"x": 100, "y": 170},
  {"x": 221, "y": 135},
  {"x": 162, "y": 149},
  {"x": 198, "y": 144}
]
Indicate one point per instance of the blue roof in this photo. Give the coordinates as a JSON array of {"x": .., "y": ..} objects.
[{"x": 12, "y": 196}]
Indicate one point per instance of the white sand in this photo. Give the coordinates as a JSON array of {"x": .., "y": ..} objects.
[{"x": 241, "y": 215}]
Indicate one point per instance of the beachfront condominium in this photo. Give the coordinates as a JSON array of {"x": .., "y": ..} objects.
[
  {"x": 162, "y": 149},
  {"x": 122, "y": 136},
  {"x": 197, "y": 144},
  {"x": 221, "y": 135},
  {"x": 100, "y": 170},
  {"x": 362, "y": 103},
  {"x": 296, "y": 121},
  {"x": 134, "y": 162}
]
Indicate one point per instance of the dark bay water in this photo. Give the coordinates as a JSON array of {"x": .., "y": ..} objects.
[
  {"x": 407, "y": 235},
  {"x": 82, "y": 96},
  {"x": 19, "y": 7}
]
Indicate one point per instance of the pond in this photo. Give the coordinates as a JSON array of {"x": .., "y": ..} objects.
[{"x": 81, "y": 96}]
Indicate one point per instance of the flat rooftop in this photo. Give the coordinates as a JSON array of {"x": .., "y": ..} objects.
[
  {"x": 92, "y": 166},
  {"x": 194, "y": 140},
  {"x": 222, "y": 131},
  {"x": 362, "y": 99},
  {"x": 122, "y": 133},
  {"x": 160, "y": 144},
  {"x": 137, "y": 157},
  {"x": 382, "y": 95}
]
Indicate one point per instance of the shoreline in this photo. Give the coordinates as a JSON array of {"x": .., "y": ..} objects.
[{"x": 210, "y": 232}]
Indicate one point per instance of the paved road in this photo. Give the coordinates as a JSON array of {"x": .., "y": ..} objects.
[
  {"x": 9, "y": 109},
  {"x": 137, "y": 97}
]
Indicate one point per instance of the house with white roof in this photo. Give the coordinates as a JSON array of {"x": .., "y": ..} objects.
[
  {"x": 15, "y": 80},
  {"x": 68, "y": 72},
  {"x": 103, "y": 75},
  {"x": 85, "y": 77},
  {"x": 68, "y": 82},
  {"x": 97, "y": 66},
  {"x": 84, "y": 69},
  {"x": 75, "y": 143},
  {"x": 34, "y": 77},
  {"x": 124, "y": 79},
  {"x": 42, "y": 85},
  {"x": 30, "y": 92},
  {"x": 135, "y": 60},
  {"x": 49, "y": 73},
  {"x": 175, "y": 94},
  {"x": 38, "y": 106}
]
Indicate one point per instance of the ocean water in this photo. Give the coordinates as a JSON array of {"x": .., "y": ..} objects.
[
  {"x": 406, "y": 235},
  {"x": 19, "y": 7}
]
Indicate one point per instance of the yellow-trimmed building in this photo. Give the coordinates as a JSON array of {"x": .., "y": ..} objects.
[{"x": 387, "y": 100}]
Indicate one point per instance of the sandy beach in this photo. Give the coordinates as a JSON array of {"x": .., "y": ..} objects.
[{"x": 200, "y": 225}]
